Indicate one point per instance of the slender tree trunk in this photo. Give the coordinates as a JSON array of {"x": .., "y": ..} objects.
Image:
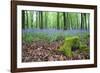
[
  {"x": 41, "y": 15},
  {"x": 31, "y": 19},
  {"x": 64, "y": 17},
  {"x": 88, "y": 22},
  {"x": 82, "y": 21},
  {"x": 58, "y": 26},
  {"x": 68, "y": 21},
  {"x": 46, "y": 19},
  {"x": 23, "y": 19},
  {"x": 71, "y": 25},
  {"x": 27, "y": 19},
  {"x": 37, "y": 20},
  {"x": 77, "y": 21}
]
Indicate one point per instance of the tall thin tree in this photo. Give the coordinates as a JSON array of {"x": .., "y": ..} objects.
[
  {"x": 64, "y": 18},
  {"x": 23, "y": 19},
  {"x": 58, "y": 26}
]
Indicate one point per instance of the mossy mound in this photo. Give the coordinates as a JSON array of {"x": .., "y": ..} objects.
[{"x": 69, "y": 44}]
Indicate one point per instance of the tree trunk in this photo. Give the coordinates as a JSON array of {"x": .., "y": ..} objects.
[
  {"x": 23, "y": 19},
  {"x": 82, "y": 22},
  {"x": 64, "y": 17},
  {"x": 58, "y": 27},
  {"x": 27, "y": 19},
  {"x": 31, "y": 19},
  {"x": 41, "y": 15},
  {"x": 46, "y": 19}
]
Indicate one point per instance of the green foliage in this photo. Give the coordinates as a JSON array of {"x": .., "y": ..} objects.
[
  {"x": 69, "y": 42},
  {"x": 27, "y": 38},
  {"x": 56, "y": 20},
  {"x": 84, "y": 42},
  {"x": 56, "y": 37},
  {"x": 84, "y": 38},
  {"x": 40, "y": 36},
  {"x": 84, "y": 48},
  {"x": 60, "y": 37}
]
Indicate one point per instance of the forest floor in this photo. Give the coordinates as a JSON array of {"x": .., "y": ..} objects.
[{"x": 39, "y": 51}]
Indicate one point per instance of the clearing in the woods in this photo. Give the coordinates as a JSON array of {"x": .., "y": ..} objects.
[{"x": 55, "y": 36}]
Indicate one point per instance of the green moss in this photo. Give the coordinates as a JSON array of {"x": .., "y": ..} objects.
[
  {"x": 69, "y": 42},
  {"x": 84, "y": 48}
]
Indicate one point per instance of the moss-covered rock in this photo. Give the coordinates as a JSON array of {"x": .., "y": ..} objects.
[{"x": 69, "y": 42}]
